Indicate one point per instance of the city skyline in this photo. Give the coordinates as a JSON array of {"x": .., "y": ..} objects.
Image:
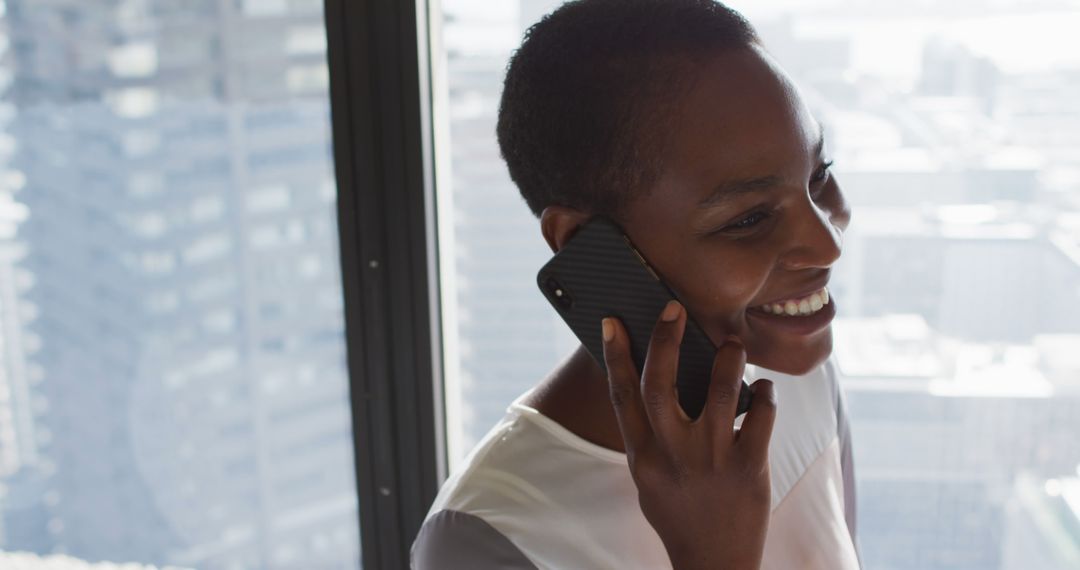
[{"x": 185, "y": 295}]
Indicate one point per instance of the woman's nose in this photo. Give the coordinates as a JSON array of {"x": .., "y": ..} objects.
[{"x": 814, "y": 241}]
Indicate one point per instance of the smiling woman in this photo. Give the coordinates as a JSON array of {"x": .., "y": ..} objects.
[
  {"x": 745, "y": 121},
  {"x": 953, "y": 129},
  {"x": 671, "y": 118}
]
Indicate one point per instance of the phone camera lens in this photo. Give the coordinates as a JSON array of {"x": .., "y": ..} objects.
[{"x": 558, "y": 293}]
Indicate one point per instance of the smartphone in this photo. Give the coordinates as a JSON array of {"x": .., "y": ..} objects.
[{"x": 599, "y": 273}]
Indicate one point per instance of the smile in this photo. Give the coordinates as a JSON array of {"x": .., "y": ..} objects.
[
  {"x": 800, "y": 307},
  {"x": 802, "y": 316}
]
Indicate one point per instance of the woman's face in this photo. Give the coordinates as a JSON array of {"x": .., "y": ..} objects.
[{"x": 745, "y": 213}]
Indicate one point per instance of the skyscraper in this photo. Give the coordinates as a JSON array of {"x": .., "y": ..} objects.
[{"x": 183, "y": 249}]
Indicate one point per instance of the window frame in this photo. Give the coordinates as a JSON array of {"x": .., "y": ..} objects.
[{"x": 380, "y": 100}]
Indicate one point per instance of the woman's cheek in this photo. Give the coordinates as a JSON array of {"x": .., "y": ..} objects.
[
  {"x": 729, "y": 303},
  {"x": 739, "y": 280},
  {"x": 724, "y": 285}
]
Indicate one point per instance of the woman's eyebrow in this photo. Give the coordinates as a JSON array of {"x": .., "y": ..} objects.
[
  {"x": 733, "y": 188},
  {"x": 820, "y": 146}
]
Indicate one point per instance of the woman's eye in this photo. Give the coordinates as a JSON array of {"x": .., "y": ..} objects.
[
  {"x": 747, "y": 222},
  {"x": 822, "y": 173},
  {"x": 819, "y": 177}
]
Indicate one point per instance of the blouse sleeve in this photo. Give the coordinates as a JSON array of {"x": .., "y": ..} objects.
[{"x": 454, "y": 540}]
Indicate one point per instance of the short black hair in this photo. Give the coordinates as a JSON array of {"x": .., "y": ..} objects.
[{"x": 587, "y": 94}]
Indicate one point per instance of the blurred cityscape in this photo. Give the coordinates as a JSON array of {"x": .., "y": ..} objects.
[
  {"x": 172, "y": 380},
  {"x": 956, "y": 133},
  {"x": 172, "y": 374}
]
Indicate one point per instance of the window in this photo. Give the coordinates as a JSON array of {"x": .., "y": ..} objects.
[
  {"x": 956, "y": 134},
  {"x": 161, "y": 402}
]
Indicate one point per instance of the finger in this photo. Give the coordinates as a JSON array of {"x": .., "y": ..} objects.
[
  {"x": 725, "y": 383},
  {"x": 658, "y": 391},
  {"x": 623, "y": 386},
  {"x": 757, "y": 427}
]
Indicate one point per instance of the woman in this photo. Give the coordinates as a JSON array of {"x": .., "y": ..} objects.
[{"x": 669, "y": 117}]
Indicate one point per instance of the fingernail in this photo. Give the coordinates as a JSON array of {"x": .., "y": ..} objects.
[
  {"x": 734, "y": 340},
  {"x": 671, "y": 311},
  {"x": 608, "y": 330}
]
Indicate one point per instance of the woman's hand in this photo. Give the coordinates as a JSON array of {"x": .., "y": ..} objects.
[{"x": 702, "y": 484}]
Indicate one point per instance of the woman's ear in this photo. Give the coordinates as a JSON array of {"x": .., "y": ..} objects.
[{"x": 558, "y": 224}]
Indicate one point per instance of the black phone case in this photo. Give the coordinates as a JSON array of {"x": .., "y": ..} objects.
[{"x": 601, "y": 274}]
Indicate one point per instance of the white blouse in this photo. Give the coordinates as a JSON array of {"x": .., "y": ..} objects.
[{"x": 532, "y": 494}]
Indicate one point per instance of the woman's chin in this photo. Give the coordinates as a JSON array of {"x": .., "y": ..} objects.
[{"x": 794, "y": 361}]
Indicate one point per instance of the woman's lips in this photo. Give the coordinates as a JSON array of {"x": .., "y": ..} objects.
[{"x": 797, "y": 324}]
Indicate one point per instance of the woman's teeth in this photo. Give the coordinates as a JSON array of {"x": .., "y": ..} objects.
[{"x": 801, "y": 307}]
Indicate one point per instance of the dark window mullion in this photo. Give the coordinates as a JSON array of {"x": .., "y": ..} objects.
[{"x": 381, "y": 128}]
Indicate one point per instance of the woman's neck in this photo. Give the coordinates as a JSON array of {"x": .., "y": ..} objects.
[{"x": 575, "y": 395}]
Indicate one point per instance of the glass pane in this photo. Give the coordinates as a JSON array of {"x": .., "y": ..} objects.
[
  {"x": 172, "y": 374},
  {"x": 490, "y": 293},
  {"x": 956, "y": 135}
]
